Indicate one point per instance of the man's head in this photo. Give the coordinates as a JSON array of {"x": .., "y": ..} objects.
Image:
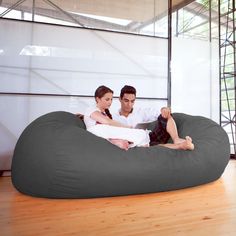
[{"x": 127, "y": 99}]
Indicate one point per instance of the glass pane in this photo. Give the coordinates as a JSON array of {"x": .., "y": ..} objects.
[
  {"x": 149, "y": 17},
  {"x": 195, "y": 59},
  {"x": 65, "y": 60},
  {"x": 192, "y": 21}
]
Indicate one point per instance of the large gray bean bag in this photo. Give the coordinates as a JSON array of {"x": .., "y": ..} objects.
[{"x": 55, "y": 157}]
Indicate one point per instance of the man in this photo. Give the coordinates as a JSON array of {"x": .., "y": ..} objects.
[{"x": 165, "y": 126}]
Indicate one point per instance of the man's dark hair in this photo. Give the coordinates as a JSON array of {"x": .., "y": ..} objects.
[{"x": 127, "y": 89}]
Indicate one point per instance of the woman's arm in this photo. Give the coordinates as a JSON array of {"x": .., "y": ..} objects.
[{"x": 97, "y": 116}]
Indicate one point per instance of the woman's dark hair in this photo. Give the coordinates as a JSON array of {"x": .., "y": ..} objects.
[
  {"x": 127, "y": 89},
  {"x": 100, "y": 92}
]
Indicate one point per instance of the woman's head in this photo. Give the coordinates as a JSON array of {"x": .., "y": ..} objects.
[{"x": 103, "y": 96}]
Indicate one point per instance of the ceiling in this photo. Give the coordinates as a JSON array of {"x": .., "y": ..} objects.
[{"x": 133, "y": 10}]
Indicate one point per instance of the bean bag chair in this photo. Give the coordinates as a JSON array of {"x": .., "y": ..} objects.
[{"x": 55, "y": 157}]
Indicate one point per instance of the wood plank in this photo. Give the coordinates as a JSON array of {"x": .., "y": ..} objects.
[{"x": 204, "y": 210}]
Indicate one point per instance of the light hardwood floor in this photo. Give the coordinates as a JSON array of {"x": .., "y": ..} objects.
[{"x": 204, "y": 210}]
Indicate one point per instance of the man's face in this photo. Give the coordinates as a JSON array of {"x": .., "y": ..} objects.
[{"x": 127, "y": 102}]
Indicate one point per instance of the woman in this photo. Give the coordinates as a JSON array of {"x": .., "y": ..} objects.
[{"x": 98, "y": 121}]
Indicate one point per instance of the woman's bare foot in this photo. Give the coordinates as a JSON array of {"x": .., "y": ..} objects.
[{"x": 123, "y": 144}]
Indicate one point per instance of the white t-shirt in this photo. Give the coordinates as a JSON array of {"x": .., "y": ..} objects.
[
  {"x": 138, "y": 137},
  {"x": 138, "y": 115},
  {"x": 89, "y": 122}
]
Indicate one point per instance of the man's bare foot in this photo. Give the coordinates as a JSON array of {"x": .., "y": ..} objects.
[
  {"x": 186, "y": 144},
  {"x": 189, "y": 138},
  {"x": 123, "y": 144},
  {"x": 179, "y": 140}
]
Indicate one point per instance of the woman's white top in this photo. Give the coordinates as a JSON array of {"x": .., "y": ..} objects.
[
  {"x": 89, "y": 122},
  {"x": 138, "y": 137}
]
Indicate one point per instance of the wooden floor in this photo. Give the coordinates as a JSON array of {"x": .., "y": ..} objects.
[{"x": 204, "y": 210}]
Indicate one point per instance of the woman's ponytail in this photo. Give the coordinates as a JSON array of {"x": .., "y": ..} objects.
[{"x": 108, "y": 113}]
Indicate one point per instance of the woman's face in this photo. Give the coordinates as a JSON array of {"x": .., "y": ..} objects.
[{"x": 105, "y": 101}]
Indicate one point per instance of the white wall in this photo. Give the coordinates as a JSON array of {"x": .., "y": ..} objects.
[{"x": 195, "y": 77}]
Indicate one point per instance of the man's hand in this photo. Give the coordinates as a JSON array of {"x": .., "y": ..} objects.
[{"x": 166, "y": 112}]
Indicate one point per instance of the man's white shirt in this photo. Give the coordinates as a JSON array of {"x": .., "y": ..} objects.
[{"x": 138, "y": 115}]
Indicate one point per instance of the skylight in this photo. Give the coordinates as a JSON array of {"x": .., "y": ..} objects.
[{"x": 117, "y": 21}]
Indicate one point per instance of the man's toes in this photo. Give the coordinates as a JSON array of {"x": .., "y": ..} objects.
[{"x": 188, "y": 138}]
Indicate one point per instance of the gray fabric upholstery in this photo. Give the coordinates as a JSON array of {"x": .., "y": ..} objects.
[{"x": 55, "y": 157}]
